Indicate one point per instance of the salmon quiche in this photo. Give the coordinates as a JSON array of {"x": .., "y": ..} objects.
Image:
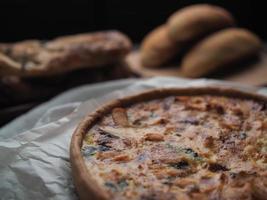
[{"x": 173, "y": 144}]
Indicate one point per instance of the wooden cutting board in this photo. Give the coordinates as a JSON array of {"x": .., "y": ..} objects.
[{"x": 252, "y": 74}]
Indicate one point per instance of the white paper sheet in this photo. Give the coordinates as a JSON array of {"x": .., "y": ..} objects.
[{"x": 35, "y": 164}]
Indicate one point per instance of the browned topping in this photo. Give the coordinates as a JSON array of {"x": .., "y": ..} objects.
[
  {"x": 208, "y": 142},
  {"x": 122, "y": 158},
  {"x": 154, "y": 137},
  {"x": 215, "y": 167},
  {"x": 119, "y": 116},
  {"x": 106, "y": 155}
]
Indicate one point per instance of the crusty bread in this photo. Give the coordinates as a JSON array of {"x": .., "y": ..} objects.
[
  {"x": 157, "y": 48},
  {"x": 194, "y": 22},
  {"x": 36, "y": 58},
  {"x": 219, "y": 51}
]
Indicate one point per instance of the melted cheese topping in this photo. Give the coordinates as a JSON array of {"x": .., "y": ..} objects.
[{"x": 180, "y": 147}]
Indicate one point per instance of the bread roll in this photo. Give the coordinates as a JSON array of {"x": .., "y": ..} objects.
[
  {"x": 219, "y": 51},
  {"x": 194, "y": 22},
  {"x": 157, "y": 48}
]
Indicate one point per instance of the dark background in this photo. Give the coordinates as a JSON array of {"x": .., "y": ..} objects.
[{"x": 24, "y": 19}]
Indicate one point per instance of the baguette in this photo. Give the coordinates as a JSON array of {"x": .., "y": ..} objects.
[{"x": 36, "y": 58}]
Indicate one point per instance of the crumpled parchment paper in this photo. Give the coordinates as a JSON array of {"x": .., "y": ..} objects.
[{"x": 34, "y": 164}]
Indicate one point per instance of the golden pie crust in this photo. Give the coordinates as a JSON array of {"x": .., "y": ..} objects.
[{"x": 187, "y": 143}]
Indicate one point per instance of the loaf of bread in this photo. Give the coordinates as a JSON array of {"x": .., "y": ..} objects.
[
  {"x": 220, "y": 50},
  {"x": 194, "y": 22},
  {"x": 37, "y": 58},
  {"x": 156, "y": 48}
]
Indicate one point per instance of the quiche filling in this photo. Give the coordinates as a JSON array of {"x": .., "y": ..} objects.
[{"x": 181, "y": 147}]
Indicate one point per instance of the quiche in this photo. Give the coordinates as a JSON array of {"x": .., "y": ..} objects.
[{"x": 173, "y": 144}]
